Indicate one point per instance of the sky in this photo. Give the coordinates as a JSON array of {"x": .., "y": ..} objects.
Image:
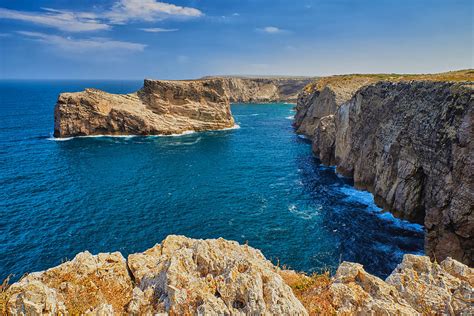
[{"x": 183, "y": 39}]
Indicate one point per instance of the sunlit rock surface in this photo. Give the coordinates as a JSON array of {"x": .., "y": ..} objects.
[
  {"x": 184, "y": 276},
  {"x": 167, "y": 106},
  {"x": 160, "y": 107}
]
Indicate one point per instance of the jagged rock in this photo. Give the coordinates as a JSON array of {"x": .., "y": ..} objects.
[
  {"x": 356, "y": 292},
  {"x": 86, "y": 284},
  {"x": 408, "y": 142},
  {"x": 183, "y": 276},
  {"x": 429, "y": 287},
  {"x": 179, "y": 276},
  {"x": 212, "y": 277}
]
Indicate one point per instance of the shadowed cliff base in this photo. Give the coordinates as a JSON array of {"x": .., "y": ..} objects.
[{"x": 408, "y": 140}]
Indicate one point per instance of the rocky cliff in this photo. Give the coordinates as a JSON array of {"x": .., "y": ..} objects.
[
  {"x": 408, "y": 141},
  {"x": 167, "y": 107},
  {"x": 264, "y": 89},
  {"x": 160, "y": 107},
  {"x": 183, "y": 276}
]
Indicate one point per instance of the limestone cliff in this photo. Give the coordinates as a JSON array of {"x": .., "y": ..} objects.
[
  {"x": 263, "y": 89},
  {"x": 167, "y": 107},
  {"x": 183, "y": 276},
  {"x": 160, "y": 107},
  {"x": 409, "y": 143}
]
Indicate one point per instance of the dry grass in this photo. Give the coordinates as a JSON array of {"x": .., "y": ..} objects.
[
  {"x": 4, "y": 295},
  {"x": 312, "y": 291},
  {"x": 86, "y": 292},
  {"x": 363, "y": 79}
]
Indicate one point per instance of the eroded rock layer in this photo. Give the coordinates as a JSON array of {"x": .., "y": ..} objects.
[
  {"x": 409, "y": 143},
  {"x": 183, "y": 276}
]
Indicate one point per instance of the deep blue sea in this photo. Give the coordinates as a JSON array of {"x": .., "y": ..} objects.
[{"x": 258, "y": 184}]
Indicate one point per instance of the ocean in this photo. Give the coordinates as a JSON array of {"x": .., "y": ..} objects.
[{"x": 257, "y": 184}]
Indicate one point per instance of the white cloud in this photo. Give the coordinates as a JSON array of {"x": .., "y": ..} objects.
[
  {"x": 157, "y": 30},
  {"x": 147, "y": 10},
  {"x": 271, "y": 30},
  {"x": 94, "y": 44},
  {"x": 63, "y": 20},
  {"x": 121, "y": 12}
]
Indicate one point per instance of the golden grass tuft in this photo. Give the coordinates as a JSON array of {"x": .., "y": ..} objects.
[
  {"x": 312, "y": 291},
  {"x": 4, "y": 295}
]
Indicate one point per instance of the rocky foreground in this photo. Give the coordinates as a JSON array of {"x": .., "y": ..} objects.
[
  {"x": 406, "y": 139},
  {"x": 164, "y": 107},
  {"x": 183, "y": 276}
]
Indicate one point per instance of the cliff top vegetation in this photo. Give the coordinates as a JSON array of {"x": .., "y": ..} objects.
[{"x": 358, "y": 80}]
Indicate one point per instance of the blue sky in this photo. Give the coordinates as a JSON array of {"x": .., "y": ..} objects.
[{"x": 177, "y": 39}]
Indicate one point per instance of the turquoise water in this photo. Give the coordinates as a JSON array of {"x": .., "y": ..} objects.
[{"x": 258, "y": 183}]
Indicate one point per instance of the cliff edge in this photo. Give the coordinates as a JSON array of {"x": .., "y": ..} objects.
[
  {"x": 406, "y": 139},
  {"x": 183, "y": 276}
]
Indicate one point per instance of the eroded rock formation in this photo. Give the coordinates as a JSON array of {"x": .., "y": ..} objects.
[
  {"x": 160, "y": 107},
  {"x": 416, "y": 287},
  {"x": 183, "y": 276},
  {"x": 167, "y": 107},
  {"x": 180, "y": 276},
  {"x": 409, "y": 143}
]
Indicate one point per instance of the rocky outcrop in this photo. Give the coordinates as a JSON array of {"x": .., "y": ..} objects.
[
  {"x": 180, "y": 276},
  {"x": 416, "y": 287},
  {"x": 183, "y": 276},
  {"x": 410, "y": 144},
  {"x": 164, "y": 107},
  {"x": 160, "y": 107}
]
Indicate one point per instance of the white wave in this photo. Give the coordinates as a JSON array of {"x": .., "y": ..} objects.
[
  {"x": 236, "y": 126},
  {"x": 291, "y": 117},
  {"x": 400, "y": 223},
  {"x": 367, "y": 198},
  {"x": 306, "y": 214},
  {"x": 186, "y": 143},
  {"x": 59, "y": 139},
  {"x": 363, "y": 197}
]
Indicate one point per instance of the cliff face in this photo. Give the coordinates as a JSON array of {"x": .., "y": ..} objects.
[
  {"x": 410, "y": 144},
  {"x": 160, "y": 107},
  {"x": 255, "y": 90},
  {"x": 183, "y": 276}
]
